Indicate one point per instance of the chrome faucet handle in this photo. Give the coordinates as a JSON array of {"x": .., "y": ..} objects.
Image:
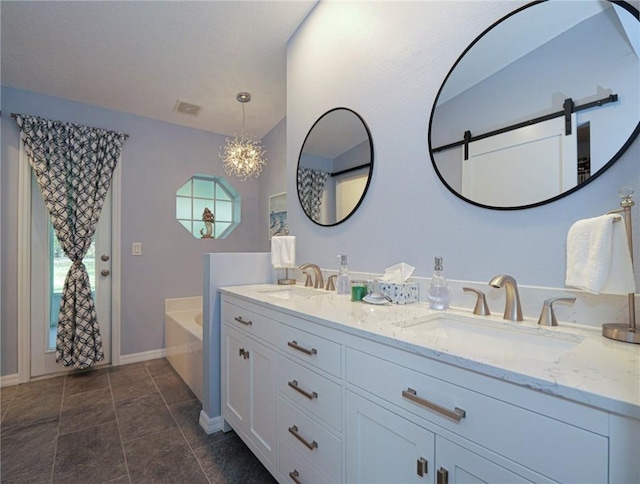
[
  {"x": 548, "y": 316},
  {"x": 481, "y": 308},
  {"x": 308, "y": 282},
  {"x": 330, "y": 284}
]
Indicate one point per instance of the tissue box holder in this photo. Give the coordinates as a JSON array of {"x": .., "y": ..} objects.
[{"x": 405, "y": 293}]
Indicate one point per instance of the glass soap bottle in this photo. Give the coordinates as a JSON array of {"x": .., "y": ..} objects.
[
  {"x": 343, "y": 281},
  {"x": 438, "y": 293}
]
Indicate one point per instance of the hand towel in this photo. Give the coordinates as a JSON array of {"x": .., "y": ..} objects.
[
  {"x": 598, "y": 258},
  {"x": 283, "y": 251}
]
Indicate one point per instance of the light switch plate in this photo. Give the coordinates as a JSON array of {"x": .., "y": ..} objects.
[{"x": 136, "y": 248}]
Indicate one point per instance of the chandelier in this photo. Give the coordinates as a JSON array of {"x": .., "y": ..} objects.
[{"x": 243, "y": 156}]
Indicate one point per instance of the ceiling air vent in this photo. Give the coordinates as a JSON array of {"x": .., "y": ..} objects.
[{"x": 187, "y": 108}]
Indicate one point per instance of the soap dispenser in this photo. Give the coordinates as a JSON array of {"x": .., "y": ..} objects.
[
  {"x": 343, "y": 281},
  {"x": 438, "y": 293}
]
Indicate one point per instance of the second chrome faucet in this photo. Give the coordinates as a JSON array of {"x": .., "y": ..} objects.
[
  {"x": 318, "y": 282},
  {"x": 512, "y": 308}
]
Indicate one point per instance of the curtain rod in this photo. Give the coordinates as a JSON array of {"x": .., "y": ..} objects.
[{"x": 14, "y": 115}]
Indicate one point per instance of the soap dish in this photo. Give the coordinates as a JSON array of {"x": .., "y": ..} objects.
[{"x": 375, "y": 299}]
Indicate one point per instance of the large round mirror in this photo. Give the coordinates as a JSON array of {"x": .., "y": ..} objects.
[
  {"x": 335, "y": 166},
  {"x": 540, "y": 104}
]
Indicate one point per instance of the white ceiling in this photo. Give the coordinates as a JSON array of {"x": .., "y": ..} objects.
[{"x": 140, "y": 57}]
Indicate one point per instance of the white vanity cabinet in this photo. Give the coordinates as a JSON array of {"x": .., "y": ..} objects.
[
  {"x": 249, "y": 369},
  {"x": 510, "y": 443},
  {"x": 384, "y": 447},
  {"x": 309, "y": 403},
  {"x": 323, "y": 402}
]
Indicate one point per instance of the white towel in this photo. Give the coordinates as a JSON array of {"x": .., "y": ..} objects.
[
  {"x": 283, "y": 251},
  {"x": 598, "y": 258}
]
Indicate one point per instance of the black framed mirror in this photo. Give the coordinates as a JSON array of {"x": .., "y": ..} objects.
[
  {"x": 540, "y": 104},
  {"x": 335, "y": 167}
]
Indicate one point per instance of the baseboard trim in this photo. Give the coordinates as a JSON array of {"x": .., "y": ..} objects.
[
  {"x": 143, "y": 356},
  {"x": 209, "y": 424},
  {"x": 9, "y": 380}
]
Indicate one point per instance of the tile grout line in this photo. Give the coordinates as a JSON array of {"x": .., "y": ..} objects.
[
  {"x": 55, "y": 447},
  {"x": 178, "y": 425},
  {"x": 115, "y": 411}
]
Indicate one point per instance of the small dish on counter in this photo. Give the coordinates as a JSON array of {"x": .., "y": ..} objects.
[{"x": 376, "y": 299}]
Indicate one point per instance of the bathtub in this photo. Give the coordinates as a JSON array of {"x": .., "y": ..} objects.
[{"x": 183, "y": 338}]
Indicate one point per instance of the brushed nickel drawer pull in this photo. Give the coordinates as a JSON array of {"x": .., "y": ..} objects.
[
  {"x": 457, "y": 414},
  {"x": 240, "y": 320},
  {"x": 294, "y": 431},
  {"x": 443, "y": 476},
  {"x": 422, "y": 467},
  {"x": 294, "y": 474},
  {"x": 294, "y": 384},
  {"x": 294, "y": 344}
]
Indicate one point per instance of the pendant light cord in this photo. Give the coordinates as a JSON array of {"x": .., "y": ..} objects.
[{"x": 243, "y": 119}]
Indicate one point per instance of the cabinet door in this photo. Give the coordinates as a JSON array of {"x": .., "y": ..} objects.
[
  {"x": 383, "y": 447},
  {"x": 234, "y": 376},
  {"x": 263, "y": 393},
  {"x": 457, "y": 465}
]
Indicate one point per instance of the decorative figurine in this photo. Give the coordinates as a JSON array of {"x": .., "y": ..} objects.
[{"x": 208, "y": 218}]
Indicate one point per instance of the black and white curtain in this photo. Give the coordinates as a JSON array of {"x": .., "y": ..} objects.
[
  {"x": 310, "y": 187},
  {"x": 73, "y": 166}
]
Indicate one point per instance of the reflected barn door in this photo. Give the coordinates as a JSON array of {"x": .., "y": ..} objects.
[{"x": 539, "y": 161}]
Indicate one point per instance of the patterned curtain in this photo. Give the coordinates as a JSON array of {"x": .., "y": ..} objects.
[
  {"x": 310, "y": 187},
  {"x": 73, "y": 167}
]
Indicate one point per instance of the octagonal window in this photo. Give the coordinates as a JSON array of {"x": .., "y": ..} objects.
[{"x": 208, "y": 207}]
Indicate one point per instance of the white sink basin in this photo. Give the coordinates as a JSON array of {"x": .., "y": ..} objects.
[
  {"x": 292, "y": 292},
  {"x": 498, "y": 340}
]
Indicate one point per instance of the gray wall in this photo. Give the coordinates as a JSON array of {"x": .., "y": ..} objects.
[
  {"x": 157, "y": 159},
  {"x": 272, "y": 179},
  {"x": 386, "y": 61}
]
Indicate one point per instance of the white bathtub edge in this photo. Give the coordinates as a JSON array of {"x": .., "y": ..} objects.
[{"x": 210, "y": 424}]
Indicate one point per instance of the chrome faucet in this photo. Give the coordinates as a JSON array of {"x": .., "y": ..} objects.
[
  {"x": 512, "y": 308},
  {"x": 318, "y": 282}
]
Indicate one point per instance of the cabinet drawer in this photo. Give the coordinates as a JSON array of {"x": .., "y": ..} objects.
[
  {"x": 312, "y": 349},
  {"x": 313, "y": 392},
  {"x": 553, "y": 448},
  {"x": 310, "y": 439},
  {"x": 296, "y": 469},
  {"x": 249, "y": 321}
]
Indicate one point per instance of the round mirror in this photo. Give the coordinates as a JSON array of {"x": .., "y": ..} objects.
[
  {"x": 335, "y": 166},
  {"x": 540, "y": 104}
]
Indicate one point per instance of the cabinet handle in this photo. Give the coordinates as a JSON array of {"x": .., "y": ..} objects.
[
  {"x": 294, "y": 474},
  {"x": 294, "y": 344},
  {"x": 294, "y": 431},
  {"x": 241, "y": 352},
  {"x": 294, "y": 384},
  {"x": 457, "y": 414},
  {"x": 422, "y": 467},
  {"x": 240, "y": 320},
  {"x": 443, "y": 476},
  {"x": 244, "y": 353}
]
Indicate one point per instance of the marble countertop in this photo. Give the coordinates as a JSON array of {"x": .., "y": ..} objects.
[{"x": 570, "y": 361}]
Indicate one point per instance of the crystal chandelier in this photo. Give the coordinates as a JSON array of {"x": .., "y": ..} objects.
[{"x": 243, "y": 156}]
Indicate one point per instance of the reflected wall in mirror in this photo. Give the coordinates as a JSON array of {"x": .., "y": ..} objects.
[
  {"x": 540, "y": 104},
  {"x": 335, "y": 167}
]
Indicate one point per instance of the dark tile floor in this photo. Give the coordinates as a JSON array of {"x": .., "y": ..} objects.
[{"x": 136, "y": 423}]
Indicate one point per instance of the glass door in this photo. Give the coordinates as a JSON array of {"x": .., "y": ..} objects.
[{"x": 49, "y": 267}]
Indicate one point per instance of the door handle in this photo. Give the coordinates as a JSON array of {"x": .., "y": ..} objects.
[
  {"x": 442, "y": 476},
  {"x": 105, "y": 272},
  {"x": 104, "y": 257}
]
